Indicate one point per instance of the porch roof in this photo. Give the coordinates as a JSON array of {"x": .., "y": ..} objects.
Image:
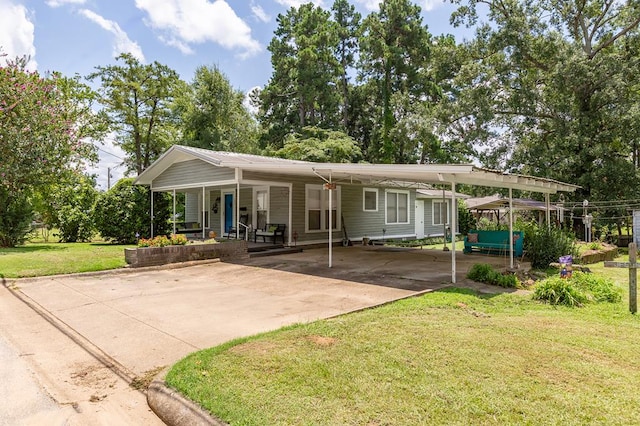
[{"x": 390, "y": 174}]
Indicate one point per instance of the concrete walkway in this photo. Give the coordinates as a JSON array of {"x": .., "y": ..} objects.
[{"x": 136, "y": 322}]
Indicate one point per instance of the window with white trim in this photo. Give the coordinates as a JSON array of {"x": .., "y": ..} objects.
[
  {"x": 440, "y": 212},
  {"x": 370, "y": 199},
  {"x": 261, "y": 198},
  {"x": 397, "y": 206},
  {"x": 317, "y": 208}
]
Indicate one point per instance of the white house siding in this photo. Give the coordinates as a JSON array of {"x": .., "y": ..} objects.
[
  {"x": 192, "y": 172},
  {"x": 191, "y": 213}
]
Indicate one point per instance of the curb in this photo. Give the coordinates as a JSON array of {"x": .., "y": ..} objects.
[{"x": 174, "y": 409}]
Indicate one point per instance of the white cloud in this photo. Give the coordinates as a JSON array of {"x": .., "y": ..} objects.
[
  {"x": 259, "y": 13},
  {"x": 370, "y": 4},
  {"x": 429, "y": 5},
  {"x": 58, "y": 3},
  {"x": 199, "y": 21},
  {"x": 16, "y": 32},
  {"x": 122, "y": 42},
  {"x": 298, "y": 3}
]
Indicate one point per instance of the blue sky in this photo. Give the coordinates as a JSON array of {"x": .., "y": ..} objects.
[{"x": 75, "y": 36}]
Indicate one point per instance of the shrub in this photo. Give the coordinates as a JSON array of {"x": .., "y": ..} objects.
[
  {"x": 178, "y": 239},
  {"x": 124, "y": 211},
  {"x": 481, "y": 272},
  {"x": 577, "y": 290},
  {"x": 559, "y": 291},
  {"x": 466, "y": 220},
  {"x": 16, "y": 214},
  {"x": 596, "y": 288},
  {"x": 545, "y": 245}
]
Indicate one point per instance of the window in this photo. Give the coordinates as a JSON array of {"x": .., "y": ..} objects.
[
  {"x": 440, "y": 212},
  {"x": 261, "y": 197},
  {"x": 370, "y": 199},
  {"x": 317, "y": 208},
  {"x": 397, "y": 207}
]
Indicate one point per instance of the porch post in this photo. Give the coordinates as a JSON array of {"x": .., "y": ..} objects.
[
  {"x": 237, "y": 224},
  {"x": 290, "y": 212},
  {"x": 548, "y": 210},
  {"x": 151, "y": 192},
  {"x": 174, "y": 212},
  {"x": 454, "y": 220},
  {"x": 203, "y": 212},
  {"x": 511, "y": 228},
  {"x": 330, "y": 223}
]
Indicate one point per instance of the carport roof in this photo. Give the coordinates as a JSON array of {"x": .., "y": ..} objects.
[{"x": 395, "y": 174}]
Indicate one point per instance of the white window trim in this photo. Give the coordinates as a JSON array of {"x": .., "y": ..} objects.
[
  {"x": 364, "y": 206},
  {"x": 433, "y": 212},
  {"x": 254, "y": 212},
  {"x": 324, "y": 205},
  {"x": 396, "y": 191}
]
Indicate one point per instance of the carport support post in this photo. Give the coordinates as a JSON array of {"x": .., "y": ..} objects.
[
  {"x": 511, "y": 228},
  {"x": 203, "y": 212},
  {"x": 151, "y": 192},
  {"x": 548, "y": 210},
  {"x": 330, "y": 223},
  {"x": 174, "y": 212},
  {"x": 454, "y": 220}
]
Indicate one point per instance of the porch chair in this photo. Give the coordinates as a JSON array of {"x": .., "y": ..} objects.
[{"x": 244, "y": 220}]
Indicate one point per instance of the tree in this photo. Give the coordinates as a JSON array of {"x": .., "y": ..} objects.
[
  {"x": 138, "y": 99},
  {"x": 123, "y": 212},
  {"x": 347, "y": 28},
  {"x": 68, "y": 206},
  {"x": 301, "y": 91},
  {"x": 45, "y": 126},
  {"x": 394, "y": 53},
  {"x": 214, "y": 116},
  {"x": 550, "y": 89},
  {"x": 322, "y": 146},
  {"x": 42, "y": 139}
]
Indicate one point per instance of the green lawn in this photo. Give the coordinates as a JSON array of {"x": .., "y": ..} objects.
[
  {"x": 39, "y": 259},
  {"x": 449, "y": 357}
]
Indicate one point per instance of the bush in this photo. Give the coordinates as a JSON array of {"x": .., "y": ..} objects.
[
  {"x": 597, "y": 289},
  {"x": 178, "y": 239},
  {"x": 544, "y": 245},
  {"x": 124, "y": 212},
  {"x": 481, "y": 272},
  {"x": 466, "y": 221},
  {"x": 559, "y": 291},
  {"x": 163, "y": 241},
  {"x": 16, "y": 214},
  {"x": 577, "y": 290}
]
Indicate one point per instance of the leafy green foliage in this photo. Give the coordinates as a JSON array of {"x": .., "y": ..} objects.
[
  {"x": 68, "y": 207},
  {"x": 544, "y": 245},
  {"x": 16, "y": 214},
  {"x": 124, "y": 212},
  {"x": 485, "y": 224},
  {"x": 559, "y": 291},
  {"x": 484, "y": 273},
  {"x": 42, "y": 125},
  {"x": 466, "y": 221},
  {"x": 213, "y": 114},
  {"x": 319, "y": 145},
  {"x": 138, "y": 99},
  {"x": 596, "y": 288},
  {"x": 163, "y": 241}
]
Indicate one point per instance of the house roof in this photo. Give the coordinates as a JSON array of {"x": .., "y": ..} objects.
[
  {"x": 390, "y": 174},
  {"x": 496, "y": 202}
]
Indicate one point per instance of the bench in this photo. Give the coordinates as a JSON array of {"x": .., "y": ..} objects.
[
  {"x": 272, "y": 231},
  {"x": 488, "y": 241},
  {"x": 188, "y": 228}
]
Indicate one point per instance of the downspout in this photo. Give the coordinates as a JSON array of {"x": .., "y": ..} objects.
[
  {"x": 511, "y": 228},
  {"x": 454, "y": 220}
]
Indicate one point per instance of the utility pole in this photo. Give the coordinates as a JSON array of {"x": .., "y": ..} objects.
[{"x": 108, "y": 178}]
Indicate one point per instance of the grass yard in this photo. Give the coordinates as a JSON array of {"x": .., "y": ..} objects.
[
  {"x": 39, "y": 259},
  {"x": 448, "y": 357}
]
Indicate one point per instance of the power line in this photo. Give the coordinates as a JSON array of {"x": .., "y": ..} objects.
[{"x": 112, "y": 154}]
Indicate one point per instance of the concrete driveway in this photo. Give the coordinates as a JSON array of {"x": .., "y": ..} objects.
[{"x": 136, "y": 321}]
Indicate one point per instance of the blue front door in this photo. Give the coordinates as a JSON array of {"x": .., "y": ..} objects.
[{"x": 228, "y": 212}]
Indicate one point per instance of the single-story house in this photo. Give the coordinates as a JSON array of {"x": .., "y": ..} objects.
[{"x": 318, "y": 202}]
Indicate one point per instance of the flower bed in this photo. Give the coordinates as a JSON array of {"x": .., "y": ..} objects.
[{"x": 154, "y": 256}]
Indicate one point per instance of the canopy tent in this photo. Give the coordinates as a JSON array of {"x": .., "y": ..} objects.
[{"x": 419, "y": 176}]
